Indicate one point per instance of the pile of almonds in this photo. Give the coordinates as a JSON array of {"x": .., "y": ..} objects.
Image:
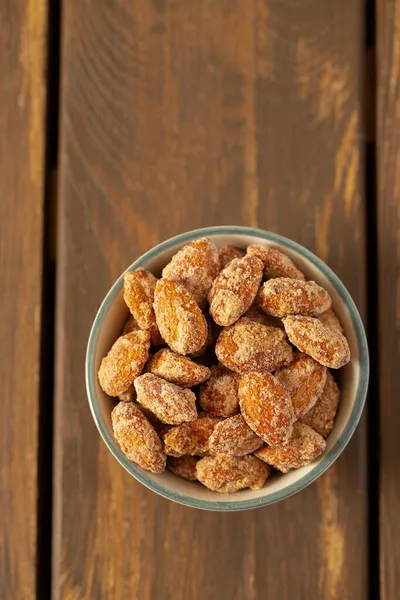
[{"x": 240, "y": 382}]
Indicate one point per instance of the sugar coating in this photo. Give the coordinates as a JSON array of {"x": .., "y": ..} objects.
[
  {"x": 227, "y": 474},
  {"x": 322, "y": 416},
  {"x": 209, "y": 340},
  {"x": 256, "y": 314},
  {"x": 137, "y": 438},
  {"x": 276, "y": 264},
  {"x": 283, "y": 296},
  {"x": 326, "y": 345},
  {"x": 234, "y": 437},
  {"x": 304, "y": 446},
  {"x": 158, "y": 425},
  {"x": 170, "y": 403},
  {"x": 139, "y": 288},
  {"x": 304, "y": 379},
  {"x": 227, "y": 254},
  {"x": 329, "y": 318},
  {"x": 266, "y": 407},
  {"x": 124, "y": 362},
  {"x": 220, "y": 394},
  {"x": 235, "y": 289},
  {"x": 180, "y": 321},
  {"x": 249, "y": 346},
  {"x": 183, "y": 466},
  {"x": 130, "y": 325},
  {"x": 195, "y": 266},
  {"x": 190, "y": 438},
  {"x": 177, "y": 369}
]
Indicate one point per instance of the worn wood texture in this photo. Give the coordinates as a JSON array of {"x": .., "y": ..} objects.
[
  {"x": 22, "y": 134},
  {"x": 177, "y": 115},
  {"x": 388, "y": 179}
]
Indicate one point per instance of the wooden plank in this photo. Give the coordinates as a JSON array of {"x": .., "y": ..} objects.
[
  {"x": 178, "y": 115},
  {"x": 23, "y": 26},
  {"x": 388, "y": 197}
]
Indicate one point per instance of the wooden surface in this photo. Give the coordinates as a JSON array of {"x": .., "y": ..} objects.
[
  {"x": 22, "y": 134},
  {"x": 177, "y": 115},
  {"x": 388, "y": 173}
]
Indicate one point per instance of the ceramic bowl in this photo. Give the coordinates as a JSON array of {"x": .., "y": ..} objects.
[{"x": 353, "y": 379}]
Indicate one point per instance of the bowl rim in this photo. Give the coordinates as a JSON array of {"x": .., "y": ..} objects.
[{"x": 326, "y": 461}]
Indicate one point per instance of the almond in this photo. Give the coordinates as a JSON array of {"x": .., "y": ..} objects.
[
  {"x": 168, "y": 402},
  {"x": 304, "y": 447},
  {"x": 195, "y": 266},
  {"x": 281, "y": 297},
  {"x": 322, "y": 416},
  {"x": 248, "y": 346},
  {"x": 276, "y": 264},
  {"x": 180, "y": 321},
  {"x": 235, "y": 289},
  {"x": 137, "y": 438},
  {"x": 234, "y": 437},
  {"x": 326, "y": 345},
  {"x": 124, "y": 362},
  {"x": 304, "y": 379},
  {"x": 226, "y": 474},
  {"x": 267, "y": 408},
  {"x": 177, "y": 369}
]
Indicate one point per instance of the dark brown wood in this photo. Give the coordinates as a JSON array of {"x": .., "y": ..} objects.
[
  {"x": 177, "y": 115},
  {"x": 388, "y": 176},
  {"x": 22, "y": 134}
]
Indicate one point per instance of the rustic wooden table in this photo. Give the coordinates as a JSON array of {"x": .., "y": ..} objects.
[{"x": 172, "y": 116}]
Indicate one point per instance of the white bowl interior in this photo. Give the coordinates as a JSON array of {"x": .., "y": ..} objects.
[{"x": 349, "y": 375}]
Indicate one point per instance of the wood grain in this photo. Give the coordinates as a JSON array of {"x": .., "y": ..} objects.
[
  {"x": 177, "y": 115},
  {"x": 22, "y": 107},
  {"x": 388, "y": 176}
]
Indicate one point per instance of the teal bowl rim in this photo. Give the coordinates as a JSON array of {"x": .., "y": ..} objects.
[{"x": 327, "y": 459}]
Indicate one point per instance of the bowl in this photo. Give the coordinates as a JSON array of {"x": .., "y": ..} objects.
[{"x": 353, "y": 378}]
